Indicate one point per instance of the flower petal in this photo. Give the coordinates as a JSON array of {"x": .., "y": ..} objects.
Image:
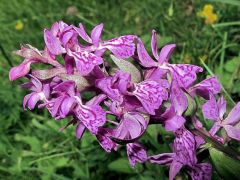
[
  {"x": 210, "y": 109},
  {"x": 154, "y": 44},
  {"x": 33, "y": 100},
  {"x": 222, "y": 103},
  {"x": 67, "y": 106},
  {"x": 52, "y": 43},
  {"x": 96, "y": 34},
  {"x": 21, "y": 70},
  {"x": 29, "y": 52},
  {"x": 232, "y": 132},
  {"x": 104, "y": 140},
  {"x": 144, "y": 58},
  {"x": 165, "y": 53},
  {"x": 131, "y": 127},
  {"x": 184, "y": 146},
  {"x": 106, "y": 85},
  {"x": 162, "y": 159},
  {"x": 54, "y": 29},
  {"x": 80, "y": 130},
  {"x": 234, "y": 116},
  {"x": 175, "y": 167},
  {"x": 122, "y": 47},
  {"x": 209, "y": 85},
  {"x": 151, "y": 94},
  {"x": 67, "y": 87},
  {"x": 214, "y": 129},
  {"x": 26, "y": 99},
  {"x": 178, "y": 98},
  {"x": 82, "y": 33},
  {"x": 85, "y": 61},
  {"x": 158, "y": 75},
  {"x": 174, "y": 123},
  {"x": 96, "y": 100},
  {"x": 185, "y": 74},
  {"x": 54, "y": 106},
  {"x": 201, "y": 171},
  {"x": 92, "y": 117},
  {"x": 136, "y": 153}
]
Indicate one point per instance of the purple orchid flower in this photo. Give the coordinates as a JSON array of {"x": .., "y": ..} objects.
[
  {"x": 62, "y": 39},
  {"x": 40, "y": 92},
  {"x": 149, "y": 93},
  {"x": 90, "y": 116},
  {"x": 121, "y": 47},
  {"x": 165, "y": 95},
  {"x": 184, "y": 154},
  {"x": 184, "y": 74},
  {"x": 63, "y": 100},
  {"x": 31, "y": 55},
  {"x": 215, "y": 111}
]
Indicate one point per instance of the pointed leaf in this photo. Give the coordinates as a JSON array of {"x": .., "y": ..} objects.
[{"x": 127, "y": 67}]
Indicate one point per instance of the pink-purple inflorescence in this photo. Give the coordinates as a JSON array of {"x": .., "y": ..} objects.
[{"x": 148, "y": 90}]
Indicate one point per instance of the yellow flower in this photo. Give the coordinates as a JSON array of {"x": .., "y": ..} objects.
[
  {"x": 208, "y": 14},
  {"x": 19, "y": 25}
]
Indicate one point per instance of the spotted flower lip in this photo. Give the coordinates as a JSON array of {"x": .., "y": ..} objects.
[
  {"x": 91, "y": 114},
  {"x": 85, "y": 61}
]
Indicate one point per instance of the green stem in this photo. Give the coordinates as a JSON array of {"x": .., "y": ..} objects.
[{"x": 206, "y": 136}]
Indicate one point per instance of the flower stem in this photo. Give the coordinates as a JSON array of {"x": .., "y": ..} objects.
[{"x": 225, "y": 149}]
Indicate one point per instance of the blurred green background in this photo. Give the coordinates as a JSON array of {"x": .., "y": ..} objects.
[{"x": 31, "y": 146}]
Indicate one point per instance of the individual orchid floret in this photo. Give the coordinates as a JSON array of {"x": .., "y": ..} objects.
[
  {"x": 121, "y": 47},
  {"x": 31, "y": 55},
  {"x": 184, "y": 154},
  {"x": 215, "y": 110},
  {"x": 63, "y": 100},
  {"x": 149, "y": 93},
  {"x": 185, "y": 74},
  {"x": 60, "y": 37},
  {"x": 40, "y": 92}
]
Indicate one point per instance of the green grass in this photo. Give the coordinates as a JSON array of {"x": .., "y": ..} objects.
[{"x": 31, "y": 146}]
